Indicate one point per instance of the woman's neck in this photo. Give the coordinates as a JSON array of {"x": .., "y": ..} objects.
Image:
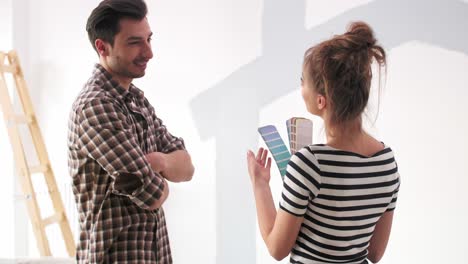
[
  {"x": 351, "y": 137},
  {"x": 345, "y": 136}
]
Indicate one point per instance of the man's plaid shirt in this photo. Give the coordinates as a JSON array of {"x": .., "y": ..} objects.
[{"x": 110, "y": 131}]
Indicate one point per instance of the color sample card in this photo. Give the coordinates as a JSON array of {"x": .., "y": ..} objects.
[
  {"x": 299, "y": 135},
  {"x": 276, "y": 146},
  {"x": 303, "y": 133}
]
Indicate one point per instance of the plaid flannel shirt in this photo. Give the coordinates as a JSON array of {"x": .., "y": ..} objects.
[{"x": 110, "y": 131}]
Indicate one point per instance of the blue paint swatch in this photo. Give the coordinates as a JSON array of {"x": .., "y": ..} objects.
[{"x": 276, "y": 146}]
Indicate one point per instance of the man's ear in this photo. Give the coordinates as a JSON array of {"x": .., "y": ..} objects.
[
  {"x": 101, "y": 47},
  {"x": 321, "y": 102}
]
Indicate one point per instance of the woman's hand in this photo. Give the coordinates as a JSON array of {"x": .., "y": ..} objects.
[{"x": 259, "y": 167}]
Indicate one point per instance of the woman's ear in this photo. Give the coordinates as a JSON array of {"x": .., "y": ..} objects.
[{"x": 321, "y": 102}]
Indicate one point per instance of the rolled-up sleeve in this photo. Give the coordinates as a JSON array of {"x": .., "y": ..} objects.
[{"x": 107, "y": 137}]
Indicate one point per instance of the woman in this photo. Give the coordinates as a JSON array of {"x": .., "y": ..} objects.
[{"x": 338, "y": 198}]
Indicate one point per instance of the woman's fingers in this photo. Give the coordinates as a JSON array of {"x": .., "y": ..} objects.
[
  {"x": 268, "y": 166},
  {"x": 264, "y": 157},
  {"x": 259, "y": 154}
]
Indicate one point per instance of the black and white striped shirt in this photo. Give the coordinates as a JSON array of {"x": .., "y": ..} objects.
[{"x": 341, "y": 195}]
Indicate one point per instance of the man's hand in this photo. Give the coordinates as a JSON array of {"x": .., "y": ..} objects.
[
  {"x": 175, "y": 166},
  {"x": 158, "y": 161}
]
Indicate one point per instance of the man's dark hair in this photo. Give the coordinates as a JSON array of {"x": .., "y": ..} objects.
[{"x": 103, "y": 23}]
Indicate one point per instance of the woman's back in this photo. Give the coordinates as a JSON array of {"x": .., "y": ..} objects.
[
  {"x": 338, "y": 199},
  {"x": 348, "y": 193}
]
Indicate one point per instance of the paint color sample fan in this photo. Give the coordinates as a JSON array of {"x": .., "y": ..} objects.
[
  {"x": 299, "y": 133},
  {"x": 276, "y": 146},
  {"x": 299, "y": 136}
]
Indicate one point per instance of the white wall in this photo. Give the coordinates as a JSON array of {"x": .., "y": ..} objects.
[
  {"x": 223, "y": 68},
  {"x": 7, "y": 189}
]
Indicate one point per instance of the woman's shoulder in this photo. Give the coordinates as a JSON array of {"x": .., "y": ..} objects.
[{"x": 324, "y": 149}]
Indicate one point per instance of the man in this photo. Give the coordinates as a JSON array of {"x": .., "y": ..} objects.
[{"x": 120, "y": 153}]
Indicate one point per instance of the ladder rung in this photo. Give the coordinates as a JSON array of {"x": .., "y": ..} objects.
[
  {"x": 53, "y": 219},
  {"x": 9, "y": 68},
  {"x": 38, "y": 169}
]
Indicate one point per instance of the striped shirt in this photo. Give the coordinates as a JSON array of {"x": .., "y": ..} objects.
[
  {"x": 341, "y": 196},
  {"x": 110, "y": 131}
]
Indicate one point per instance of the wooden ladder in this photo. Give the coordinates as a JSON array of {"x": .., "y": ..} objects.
[{"x": 25, "y": 171}]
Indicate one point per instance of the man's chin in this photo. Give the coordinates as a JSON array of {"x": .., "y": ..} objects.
[{"x": 138, "y": 75}]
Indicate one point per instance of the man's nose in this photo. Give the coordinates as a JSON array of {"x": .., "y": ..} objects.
[{"x": 148, "y": 52}]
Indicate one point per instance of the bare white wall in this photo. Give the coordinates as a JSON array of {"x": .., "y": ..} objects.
[
  {"x": 6, "y": 159},
  {"x": 222, "y": 68}
]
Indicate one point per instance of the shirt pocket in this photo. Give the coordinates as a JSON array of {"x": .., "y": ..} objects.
[
  {"x": 141, "y": 125},
  {"x": 151, "y": 132}
]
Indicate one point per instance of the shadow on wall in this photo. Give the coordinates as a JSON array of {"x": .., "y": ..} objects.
[{"x": 229, "y": 111}]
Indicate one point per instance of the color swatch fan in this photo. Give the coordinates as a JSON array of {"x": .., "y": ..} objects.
[
  {"x": 299, "y": 135},
  {"x": 276, "y": 146}
]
